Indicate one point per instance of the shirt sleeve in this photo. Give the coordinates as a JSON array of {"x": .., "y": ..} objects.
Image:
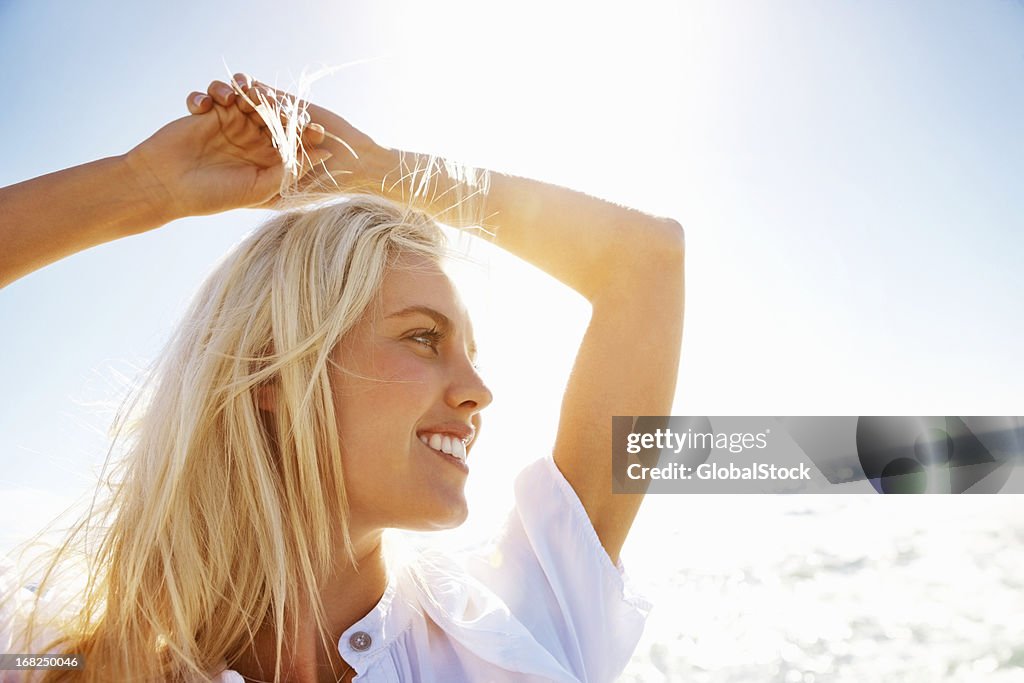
[{"x": 550, "y": 568}]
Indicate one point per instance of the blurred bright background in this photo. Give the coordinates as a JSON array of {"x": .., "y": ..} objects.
[{"x": 849, "y": 178}]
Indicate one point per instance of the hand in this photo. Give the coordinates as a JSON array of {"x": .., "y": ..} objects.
[
  {"x": 355, "y": 161},
  {"x": 215, "y": 161}
]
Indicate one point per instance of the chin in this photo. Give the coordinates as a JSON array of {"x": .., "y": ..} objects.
[
  {"x": 452, "y": 518},
  {"x": 460, "y": 519}
]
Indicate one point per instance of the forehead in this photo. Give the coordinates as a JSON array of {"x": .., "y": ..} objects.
[{"x": 417, "y": 282}]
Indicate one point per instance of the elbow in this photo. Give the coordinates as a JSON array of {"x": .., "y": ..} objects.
[
  {"x": 648, "y": 254},
  {"x": 675, "y": 230},
  {"x": 663, "y": 245},
  {"x": 674, "y": 238}
]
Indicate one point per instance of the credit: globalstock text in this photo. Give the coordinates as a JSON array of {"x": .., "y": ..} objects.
[{"x": 719, "y": 471}]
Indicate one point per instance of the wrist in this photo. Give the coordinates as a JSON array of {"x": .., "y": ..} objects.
[
  {"x": 148, "y": 203},
  {"x": 383, "y": 170},
  {"x": 373, "y": 171},
  {"x": 452, "y": 193}
]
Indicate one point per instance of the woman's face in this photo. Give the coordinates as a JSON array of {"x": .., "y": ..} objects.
[{"x": 411, "y": 376}]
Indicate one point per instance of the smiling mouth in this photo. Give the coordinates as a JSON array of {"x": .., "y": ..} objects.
[{"x": 449, "y": 445}]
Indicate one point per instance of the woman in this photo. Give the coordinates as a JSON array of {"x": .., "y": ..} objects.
[{"x": 322, "y": 389}]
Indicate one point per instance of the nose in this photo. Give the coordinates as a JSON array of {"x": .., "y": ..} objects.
[{"x": 468, "y": 390}]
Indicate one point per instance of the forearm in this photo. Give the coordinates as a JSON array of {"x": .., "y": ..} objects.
[
  {"x": 586, "y": 243},
  {"x": 47, "y": 218}
]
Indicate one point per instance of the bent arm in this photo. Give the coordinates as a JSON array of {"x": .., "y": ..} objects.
[{"x": 630, "y": 267}]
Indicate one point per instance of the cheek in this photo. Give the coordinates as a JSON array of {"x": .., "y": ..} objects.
[
  {"x": 401, "y": 379},
  {"x": 402, "y": 366},
  {"x": 394, "y": 395}
]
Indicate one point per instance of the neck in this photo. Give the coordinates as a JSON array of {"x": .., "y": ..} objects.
[{"x": 347, "y": 596}]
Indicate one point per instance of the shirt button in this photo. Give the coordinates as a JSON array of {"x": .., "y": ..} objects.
[{"x": 360, "y": 641}]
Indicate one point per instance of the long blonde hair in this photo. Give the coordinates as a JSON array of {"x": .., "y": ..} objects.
[{"x": 221, "y": 514}]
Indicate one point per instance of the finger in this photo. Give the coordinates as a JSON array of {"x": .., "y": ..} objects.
[
  {"x": 198, "y": 103},
  {"x": 244, "y": 80},
  {"x": 285, "y": 100},
  {"x": 243, "y": 84},
  {"x": 222, "y": 93},
  {"x": 256, "y": 119},
  {"x": 313, "y": 135},
  {"x": 268, "y": 182},
  {"x": 312, "y": 161},
  {"x": 245, "y": 104},
  {"x": 286, "y": 114},
  {"x": 283, "y": 105},
  {"x": 315, "y": 157},
  {"x": 254, "y": 95}
]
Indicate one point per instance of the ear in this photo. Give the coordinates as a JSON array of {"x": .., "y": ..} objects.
[{"x": 266, "y": 396}]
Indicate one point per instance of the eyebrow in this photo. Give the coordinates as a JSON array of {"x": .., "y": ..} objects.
[{"x": 440, "y": 318}]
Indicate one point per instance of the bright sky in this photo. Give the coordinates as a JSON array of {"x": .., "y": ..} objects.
[{"x": 848, "y": 175}]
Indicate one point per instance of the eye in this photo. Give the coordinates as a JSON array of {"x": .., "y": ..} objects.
[{"x": 431, "y": 338}]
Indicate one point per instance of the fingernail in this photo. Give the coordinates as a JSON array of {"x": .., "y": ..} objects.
[{"x": 197, "y": 99}]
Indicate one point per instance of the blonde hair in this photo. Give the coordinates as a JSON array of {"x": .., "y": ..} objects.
[{"x": 220, "y": 514}]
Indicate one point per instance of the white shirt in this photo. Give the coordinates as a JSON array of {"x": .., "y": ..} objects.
[{"x": 541, "y": 602}]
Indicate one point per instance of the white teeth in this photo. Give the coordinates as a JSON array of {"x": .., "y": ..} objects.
[{"x": 446, "y": 444}]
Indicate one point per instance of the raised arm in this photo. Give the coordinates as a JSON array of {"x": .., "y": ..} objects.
[
  {"x": 196, "y": 165},
  {"x": 629, "y": 266}
]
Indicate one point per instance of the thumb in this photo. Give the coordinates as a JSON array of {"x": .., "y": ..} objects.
[
  {"x": 313, "y": 159},
  {"x": 268, "y": 183}
]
